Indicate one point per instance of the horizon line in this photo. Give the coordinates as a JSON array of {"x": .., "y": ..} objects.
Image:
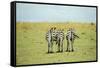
[{"x": 54, "y": 22}]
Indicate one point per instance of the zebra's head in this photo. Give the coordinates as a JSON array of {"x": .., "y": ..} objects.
[{"x": 53, "y": 28}]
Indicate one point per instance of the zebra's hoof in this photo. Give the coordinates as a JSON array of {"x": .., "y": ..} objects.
[
  {"x": 69, "y": 51},
  {"x": 48, "y": 52},
  {"x": 72, "y": 50},
  {"x": 58, "y": 51},
  {"x": 61, "y": 51},
  {"x": 66, "y": 50},
  {"x": 51, "y": 52}
]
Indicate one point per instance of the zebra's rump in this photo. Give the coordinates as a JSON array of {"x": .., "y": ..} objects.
[
  {"x": 60, "y": 35},
  {"x": 55, "y": 35},
  {"x": 70, "y": 36}
]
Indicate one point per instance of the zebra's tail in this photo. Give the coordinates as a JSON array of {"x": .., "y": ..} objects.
[{"x": 56, "y": 42}]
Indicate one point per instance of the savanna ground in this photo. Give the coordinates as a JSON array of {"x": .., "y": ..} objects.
[{"x": 32, "y": 47}]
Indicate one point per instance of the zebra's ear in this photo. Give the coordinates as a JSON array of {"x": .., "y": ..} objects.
[
  {"x": 54, "y": 28},
  {"x": 51, "y": 28}
]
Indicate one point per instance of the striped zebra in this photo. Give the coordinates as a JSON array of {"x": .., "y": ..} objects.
[
  {"x": 70, "y": 37},
  {"x": 60, "y": 38},
  {"x": 51, "y": 37},
  {"x": 54, "y": 36}
]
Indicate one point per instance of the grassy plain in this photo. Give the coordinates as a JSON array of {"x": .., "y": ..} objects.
[{"x": 32, "y": 47}]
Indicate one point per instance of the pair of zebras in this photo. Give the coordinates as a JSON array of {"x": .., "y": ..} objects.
[{"x": 57, "y": 36}]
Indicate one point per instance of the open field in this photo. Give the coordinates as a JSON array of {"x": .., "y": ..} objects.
[{"x": 32, "y": 47}]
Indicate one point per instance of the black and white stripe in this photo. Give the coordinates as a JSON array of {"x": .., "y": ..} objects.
[
  {"x": 57, "y": 36},
  {"x": 70, "y": 37},
  {"x": 60, "y": 38}
]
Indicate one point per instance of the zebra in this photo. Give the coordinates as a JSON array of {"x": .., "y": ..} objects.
[
  {"x": 54, "y": 36},
  {"x": 70, "y": 37},
  {"x": 60, "y": 38},
  {"x": 51, "y": 37}
]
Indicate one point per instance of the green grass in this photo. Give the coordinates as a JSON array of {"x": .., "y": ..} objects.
[{"x": 32, "y": 47}]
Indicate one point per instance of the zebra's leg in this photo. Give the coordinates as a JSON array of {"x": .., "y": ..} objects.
[
  {"x": 58, "y": 47},
  {"x": 51, "y": 47},
  {"x": 72, "y": 46},
  {"x": 48, "y": 47},
  {"x": 62, "y": 46},
  {"x": 67, "y": 46}
]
